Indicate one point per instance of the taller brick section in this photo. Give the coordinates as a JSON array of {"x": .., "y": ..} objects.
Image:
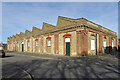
[
  {"x": 84, "y": 42},
  {"x": 78, "y": 43}
]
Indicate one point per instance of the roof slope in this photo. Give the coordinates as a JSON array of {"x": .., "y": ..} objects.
[
  {"x": 63, "y": 23},
  {"x": 17, "y": 36},
  {"x": 28, "y": 33},
  {"x": 22, "y": 35},
  {"x": 47, "y": 27},
  {"x": 13, "y": 37},
  {"x": 36, "y": 31}
]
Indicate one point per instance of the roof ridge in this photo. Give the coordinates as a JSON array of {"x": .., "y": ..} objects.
[
  {"x": 65, "y": 17},
  {"x": 36, "y": 28},
  {"x": 49, "y": 24}
]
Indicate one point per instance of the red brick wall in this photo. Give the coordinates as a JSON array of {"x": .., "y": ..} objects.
[
  {"x": 78, "y": 43},
  {"x": 100, "y": 43},
  {"x": 42, "y": 44},
  {"x": 84, "y": 42},
  {"x": 56, "y": 42}
]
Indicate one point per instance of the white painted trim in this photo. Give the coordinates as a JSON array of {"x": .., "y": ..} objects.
[
  {"x": 67, "y": 39},
  {"x": 104, "y": 44},
  {"x": 112, "y": 44},
  {"x": 49, "y": 41},
  {"x": 92, "y": 44}
]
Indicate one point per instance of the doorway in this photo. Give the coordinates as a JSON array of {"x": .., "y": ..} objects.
[
  {"x": 22, "y": 46},
  {"x": 67, "y": 46}
]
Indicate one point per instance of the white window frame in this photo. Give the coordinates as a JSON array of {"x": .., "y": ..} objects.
[
  {"x": 92, "y": 44},
  {"x": 49, "y": 42},
  {"x": 104, "y": 44},
  {"x": 112, "y": 44},
  {"x": 36, "y": 43},
  {"x": 67, "y": 39}
]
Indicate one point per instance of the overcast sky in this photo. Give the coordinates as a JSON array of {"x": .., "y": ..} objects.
[{"x": 19, "y": 16}]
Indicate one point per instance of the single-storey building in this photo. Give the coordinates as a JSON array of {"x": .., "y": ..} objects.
[{"x": 70, "y": 37}]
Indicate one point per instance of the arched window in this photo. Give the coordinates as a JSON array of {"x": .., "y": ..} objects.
[
  {"x": 104, "y": 43},
  {"x": 48, "y": 41},
  {"x": 92, "y": 44},
  {"x": 36, "y": 42},
  {"x": 93, "y": 41}
]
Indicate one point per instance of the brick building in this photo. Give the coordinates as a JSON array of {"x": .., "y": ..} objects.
[{"x": 71, "y": 37}]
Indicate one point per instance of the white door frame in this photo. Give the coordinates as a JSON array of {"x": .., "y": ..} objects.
[{"x": 66, "y": 40}]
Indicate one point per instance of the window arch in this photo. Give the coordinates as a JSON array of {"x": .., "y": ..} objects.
[
  {"x": 48, "y": 41},
  {"x": 36, "y": 42},
  {"x": 93, "y": 35}
]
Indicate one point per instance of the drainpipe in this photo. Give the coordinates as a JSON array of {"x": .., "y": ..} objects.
[{"x": 96, "y": 44}]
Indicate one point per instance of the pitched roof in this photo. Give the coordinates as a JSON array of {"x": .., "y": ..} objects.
[
  {"x": 22, "y": 35},
  {"x": 28, "y": 33},
  {"x": 47, "y": 27},
  {"x": 36, "y": 31},
  {"x": 63, "y": 23}
]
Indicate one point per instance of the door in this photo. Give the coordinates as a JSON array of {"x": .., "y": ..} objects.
[
  {"x": 22, "y": 46},
  {"x": 67, "y": 44}
]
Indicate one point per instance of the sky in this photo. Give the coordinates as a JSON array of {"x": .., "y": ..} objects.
[{"x": 20, "y": 16}]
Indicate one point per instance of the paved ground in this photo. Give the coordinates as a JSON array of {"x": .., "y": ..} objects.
[{"x": 27, "y": 65}]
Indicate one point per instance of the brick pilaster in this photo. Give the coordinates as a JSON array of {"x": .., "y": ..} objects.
[
  {"x": 42, "y": 44},
  {"x": 84, "y": 42},
  {"x": 100, "y": 43},
  {"x": 78, "y": 43},
  {"x": 56, "y": 43}
]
